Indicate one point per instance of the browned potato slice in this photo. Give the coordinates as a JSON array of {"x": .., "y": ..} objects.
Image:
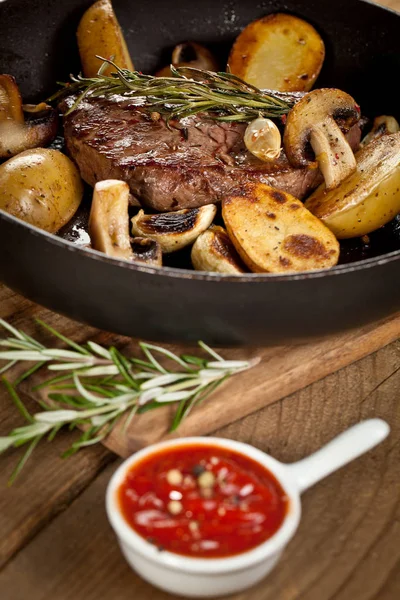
[
  {"x": 369, "y": 198},
  {"x": 274, "y": 233},
  {"x": 279, "y": 52},
  {"x": 214, "y": 252},
  {"x": 99, "y": 34},
  {"x": 174, "y": 230}
]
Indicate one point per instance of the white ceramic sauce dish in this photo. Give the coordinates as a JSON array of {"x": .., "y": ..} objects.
[{"x": 199, "y": 577}]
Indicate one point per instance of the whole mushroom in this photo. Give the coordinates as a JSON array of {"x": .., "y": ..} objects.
[
  {"x": 320, "y": 118},
  {"x": 190, "y": 54}
]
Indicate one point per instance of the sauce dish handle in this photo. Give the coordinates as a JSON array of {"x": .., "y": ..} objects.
[{"x": 341, "y": 450}]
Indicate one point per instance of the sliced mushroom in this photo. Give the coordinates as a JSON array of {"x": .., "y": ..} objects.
[
  {"x": 382, "y": 125},
  {"x": 23, "y": 127},
  {"x": 174, "y": 230},
  {"x": 109, "y": 221},
  {"x": 109, "y": 225},
  {"x": 10, "y": 100},
  {"x": 190, "y": 54},
  {"x": 146, "y": 251},
  {"x": 319, "y": 118},
  {"x": 214, "y": 252}
]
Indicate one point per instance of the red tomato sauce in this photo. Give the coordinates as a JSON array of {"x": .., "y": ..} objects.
[{"x": 202, "y": 501}]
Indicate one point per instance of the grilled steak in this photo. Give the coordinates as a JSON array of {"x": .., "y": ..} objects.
[{"x": 196, "y": 161}]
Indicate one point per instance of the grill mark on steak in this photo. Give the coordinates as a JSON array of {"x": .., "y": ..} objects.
[{"x": 197, "y": 161}]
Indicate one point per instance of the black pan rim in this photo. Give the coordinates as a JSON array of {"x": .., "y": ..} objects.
[
  {"x": 381, "y": 6},
  {"x": 177, "y": 273}
]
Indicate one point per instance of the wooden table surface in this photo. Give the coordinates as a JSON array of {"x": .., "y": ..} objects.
[{"x": 56, "y": 544}]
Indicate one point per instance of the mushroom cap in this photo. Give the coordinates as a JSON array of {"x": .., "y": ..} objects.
[
  {"x": 174, "y": 230},
  {"x": 315, "y": 108}
]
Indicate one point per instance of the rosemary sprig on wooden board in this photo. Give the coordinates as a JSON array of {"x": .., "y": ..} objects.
[
  {"x": 223, "y": 96},
  {"x": 96, "y": 387}
]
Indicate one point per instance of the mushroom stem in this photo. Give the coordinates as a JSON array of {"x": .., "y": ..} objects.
[
  {"x": 319, "y": 118},
  {"x": 38, "y": 131},
  {"x": 109, "y": 221},
  {"x": 10, "y": 100},
  {"x": 333, "y": 153},
  {"x": 16, "y": 133}
]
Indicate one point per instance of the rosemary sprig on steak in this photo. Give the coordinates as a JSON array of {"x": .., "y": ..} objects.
[{"x": 223, "y": 96}]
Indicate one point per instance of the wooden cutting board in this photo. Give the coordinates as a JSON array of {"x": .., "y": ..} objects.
[{"x": 282, "y": 370}]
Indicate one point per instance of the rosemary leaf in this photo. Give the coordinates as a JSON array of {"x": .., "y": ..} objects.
[
  {"x": 54, "y": 432},
  {"x": 146, "y": 350},
  {"x": 164, "y": 380},
  {"x": 101, "y": 387},
  {"x": 170, "y": 355},
  {"x": 63, "y": 338},
  {"x": 15, "y": 332},
  {"x": 29, "y": 372},
  {"x": 210, "y": 351},
  {"x": 97, "y": 349},
  {"x": 84, "y": 392},
  {"x": 24, "y": 459},
  {"x": 122, "y": 366},
  {"x": 187, "y": 92},
  {"x": 17, "y": 401},
  {"x": 193, "y": 360},
  {"x": 8, "y": 366}
]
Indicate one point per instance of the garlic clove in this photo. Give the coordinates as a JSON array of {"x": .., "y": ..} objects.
[{"x": 263, "y": 139}]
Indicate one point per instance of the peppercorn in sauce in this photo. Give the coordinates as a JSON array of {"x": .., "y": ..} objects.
[{"x": 202, "y": 501}]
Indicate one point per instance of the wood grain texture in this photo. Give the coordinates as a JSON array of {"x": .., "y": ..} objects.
[
  {"x": 347, "y": 544},
  {"x": 282, "y": 370},
  {"x": 49, "y": 483},
  {"x": 56, "y": 542}
]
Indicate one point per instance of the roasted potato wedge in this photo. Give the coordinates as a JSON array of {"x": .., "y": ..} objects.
[
  {"x": 174, "y": 230},
  {"x": 274, "y": 233},
  {"x": 369, "y": 198},
  {"x": 214, "y": 252},
  {"x": 109, "y": 220},
  {"x": 278, "y": 52},
  {"x": 99, "y": 34},
  {"x": 42, "y": 187}
]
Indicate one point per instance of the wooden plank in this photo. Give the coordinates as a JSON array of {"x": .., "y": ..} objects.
[
  {"x": 47, "y": 486},
  {"x": 49, "y": 483},
  {"x": 347, "y": 544},
  {"x": 282, "y": 371}
]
